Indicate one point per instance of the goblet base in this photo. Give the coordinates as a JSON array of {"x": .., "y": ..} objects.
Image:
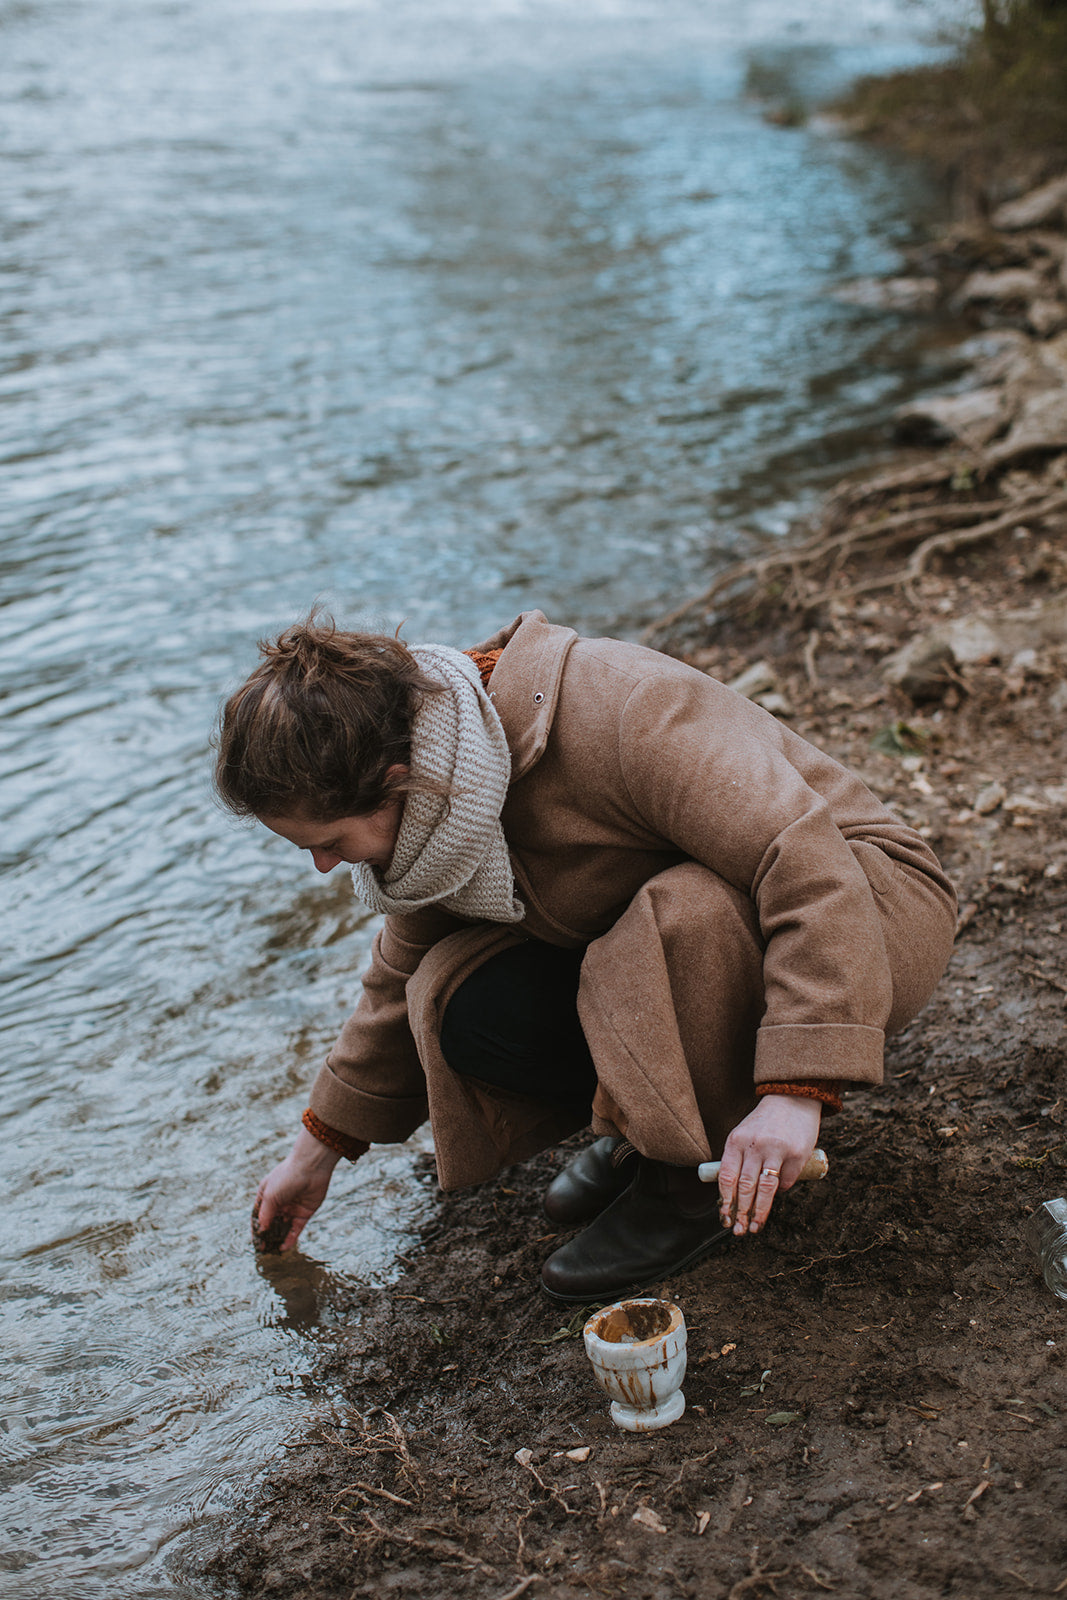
[{"x": 636, "y": 1420}]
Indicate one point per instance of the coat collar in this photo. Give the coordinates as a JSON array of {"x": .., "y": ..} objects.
[{"x": 525, "y": 683}]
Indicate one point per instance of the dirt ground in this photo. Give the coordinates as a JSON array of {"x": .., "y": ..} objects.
[{"x": 877, "y": 1384}]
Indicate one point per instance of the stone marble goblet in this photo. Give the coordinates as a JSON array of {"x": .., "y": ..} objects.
[{"x": 637, "y": 1348}]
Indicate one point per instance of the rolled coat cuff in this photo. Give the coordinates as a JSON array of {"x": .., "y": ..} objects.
[
  {"x": 845, "y": 1051},
  {"x": 380, "y": 1119}
]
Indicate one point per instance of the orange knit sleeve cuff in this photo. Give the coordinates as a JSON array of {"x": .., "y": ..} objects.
[
  {"x": 485, "y": 661},
  {"x": 824, "y": 1089},
  {"x": 346, "y": 1144}
]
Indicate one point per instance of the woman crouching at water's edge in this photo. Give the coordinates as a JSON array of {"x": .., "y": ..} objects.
[{"x": 614, "y": 892}]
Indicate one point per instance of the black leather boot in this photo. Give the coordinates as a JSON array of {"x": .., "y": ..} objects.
[
  {"x": 666, "y": 1221},
  {"x": 590, "y": 1182}
]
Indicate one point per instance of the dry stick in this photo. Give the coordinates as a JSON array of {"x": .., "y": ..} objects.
[
  {"x": 929, "y": 475},
  {"x": 572, "y": 1511},
  {"x": 941, "y": 543},
  {"x": 755, "y": 1580},
  {"x": 819, "y": 1261},
  {"x": 436, "y": 1548},
  {"x": 867, "y": 538},
  {"x": 384, "y": 1494},
  {"x": 1046, "y": 977},
  {"x": 959, "y": 541},
  {"x": 521, "y": 1587},
  {"x": 809, "y": 657},
  {"x": 809, "y": 1572}
]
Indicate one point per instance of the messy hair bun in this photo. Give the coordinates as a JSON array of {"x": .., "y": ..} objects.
[{"x": 315, "y": 729}]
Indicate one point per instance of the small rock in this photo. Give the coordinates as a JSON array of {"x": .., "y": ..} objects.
[
  {"x": 973, "y": 418},
  {"x": 1025, "y": 803},
  {"x": 991, "y": 355},
  {"x": 891, "y": 294},
  {"x": 1011, "y": 286},
  {"x": 648, "y": 1519},
  {"x": 524, "y": 1456},
  {"x": 757, "y": 679},
  {"x": 988, "y": 799},
  {"x": 1033, "y": 210},
  {"x": 922, "y": 668},
  {"x": 1046, "y": 316},
  {"x": 775, "y": 703},
  {"x": 582, "y": 1453},
  {"x": 1057, "y": 700},
  {"x": 1041, "y": 424}
]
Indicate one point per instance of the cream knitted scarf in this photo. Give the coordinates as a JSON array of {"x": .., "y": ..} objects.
[{"x": 451, "y": 852}]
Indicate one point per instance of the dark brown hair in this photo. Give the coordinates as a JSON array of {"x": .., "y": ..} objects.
[{"x": 315, "y": 729}]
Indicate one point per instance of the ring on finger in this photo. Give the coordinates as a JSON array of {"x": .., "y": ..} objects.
[{"x": 769, "y": 1172}]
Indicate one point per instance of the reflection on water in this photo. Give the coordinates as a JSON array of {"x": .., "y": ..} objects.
[{"x": 435, "y": 316}]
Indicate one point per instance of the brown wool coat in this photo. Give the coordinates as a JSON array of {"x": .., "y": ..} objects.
[{"x": 752, "y": 913}]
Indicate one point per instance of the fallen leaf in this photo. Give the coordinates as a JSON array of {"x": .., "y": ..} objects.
[
  {"x": 648, "y": 1519},
  {"x": 899, "y": 739},
  {"x": 778, "y": 1419}
]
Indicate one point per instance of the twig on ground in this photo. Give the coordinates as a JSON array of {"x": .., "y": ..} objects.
[
  {"x": 805, "y": 576},
  {"x": 383, "y": 1494},
  {"x": 757, "y": 1580},
  {"x": 810, "y": 648},
  {"x": 521, "y": 1587},
  {"x": 572, "y": 1511},
  {"x": 1046, "y": 977},
  {"x": 819, "y": 1261}
]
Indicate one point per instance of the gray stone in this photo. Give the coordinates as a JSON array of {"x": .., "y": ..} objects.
[
  {"x": 988, "y": 799},
  {"x": 1033, "y": 210},
  {"x": 757, "y": 679},
  {"x": 1046, "y": 316},
  {"x": 924, "y": 666},
  {"x": 891, "y": 294},
  {"x": 1040, "y": 424},
  {"x": 973, "y": 418},
  {"x": 1013, "y": 285}
]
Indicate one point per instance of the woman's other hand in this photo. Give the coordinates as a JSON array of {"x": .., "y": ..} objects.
[
  {"x": 764, "y": 1153},
  {"x": 289, "y": 1196}
]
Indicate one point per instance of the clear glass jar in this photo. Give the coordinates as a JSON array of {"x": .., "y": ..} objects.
[{"x": 1046, "y": 1233}]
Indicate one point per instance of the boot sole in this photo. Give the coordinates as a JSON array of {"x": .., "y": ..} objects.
[{"x": 638, "y": 1286}]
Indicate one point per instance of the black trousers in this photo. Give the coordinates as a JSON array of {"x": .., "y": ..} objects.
[{"x": 514, "y": 1023}]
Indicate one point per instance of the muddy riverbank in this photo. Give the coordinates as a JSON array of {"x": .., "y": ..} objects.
[{"x": 877, "y": 1384}]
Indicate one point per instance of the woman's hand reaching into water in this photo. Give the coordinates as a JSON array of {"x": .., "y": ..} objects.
[
  {"x": 289, "y": 1196},
  {"x": 764, "y": 1153}
]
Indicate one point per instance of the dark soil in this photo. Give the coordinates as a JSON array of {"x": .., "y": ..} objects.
[{"x": 877, "y": 1385}]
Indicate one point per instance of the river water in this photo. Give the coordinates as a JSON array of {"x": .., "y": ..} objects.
[{"x": 429, "y": 314}]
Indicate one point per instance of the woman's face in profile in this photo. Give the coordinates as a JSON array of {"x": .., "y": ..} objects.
[{"x": 370, "y": 838}]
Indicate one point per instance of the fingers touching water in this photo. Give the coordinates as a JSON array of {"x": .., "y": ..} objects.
[{"x": 288, "y": 1197}]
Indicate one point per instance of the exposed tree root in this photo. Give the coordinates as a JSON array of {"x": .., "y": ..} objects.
[{"x": 808, "y": 576}]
